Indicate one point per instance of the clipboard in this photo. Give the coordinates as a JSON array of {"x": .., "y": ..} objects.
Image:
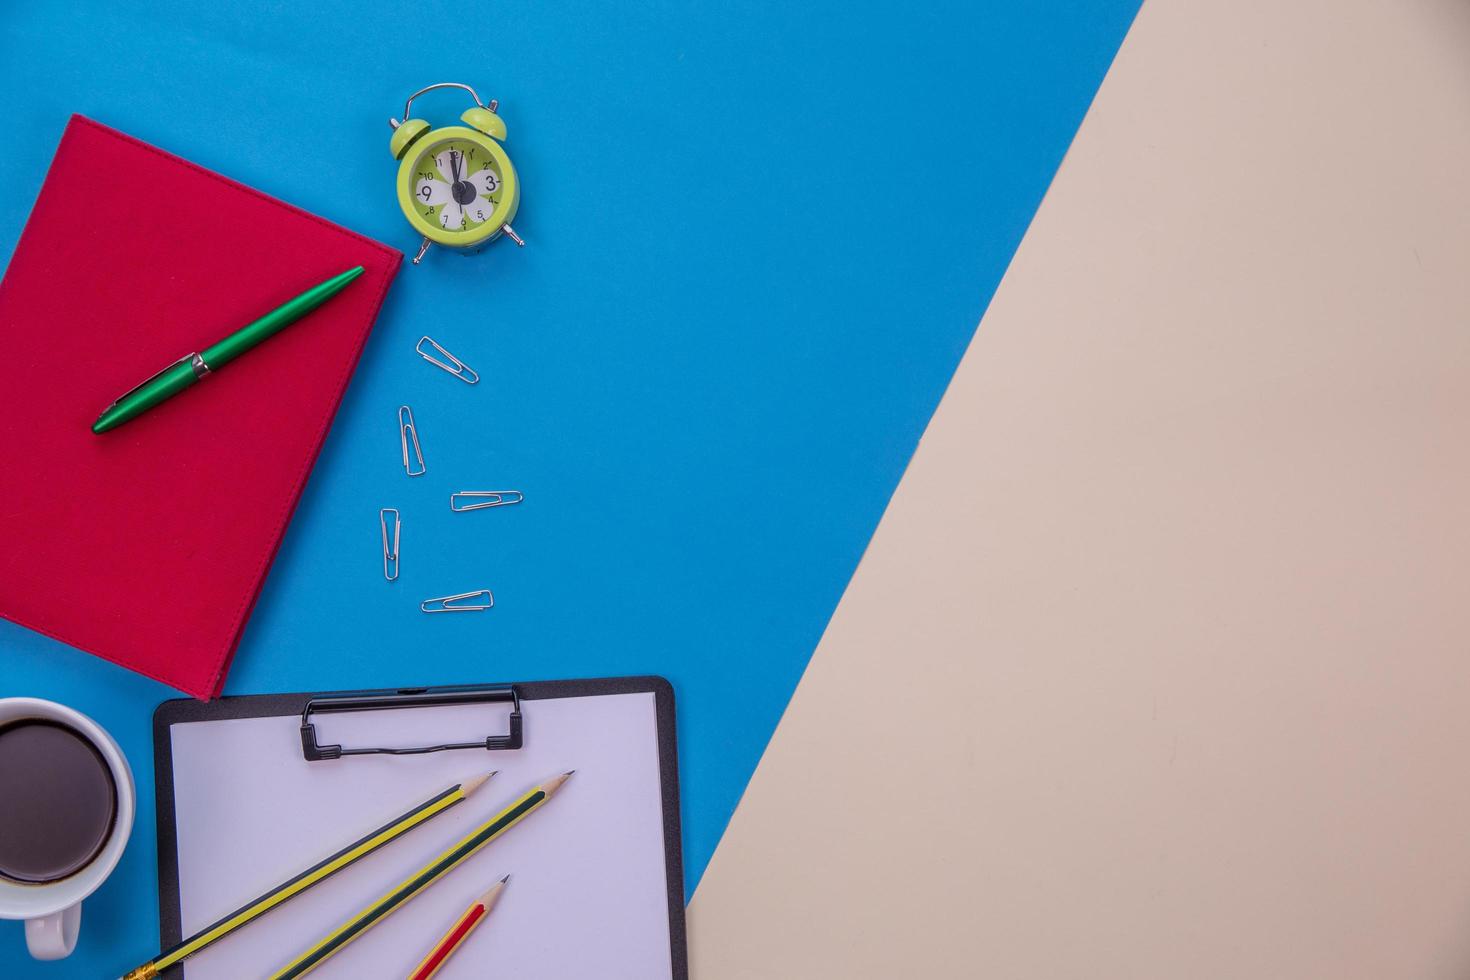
[{"x": 252, "y": 789}]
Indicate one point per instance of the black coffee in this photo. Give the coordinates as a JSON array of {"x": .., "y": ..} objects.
[{"x": 57, "y": 801}]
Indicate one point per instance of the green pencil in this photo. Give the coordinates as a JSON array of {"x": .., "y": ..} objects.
[{"x": 426, "y": 876}]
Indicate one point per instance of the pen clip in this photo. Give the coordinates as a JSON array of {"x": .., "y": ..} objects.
[{"x": 200, "y": 370}]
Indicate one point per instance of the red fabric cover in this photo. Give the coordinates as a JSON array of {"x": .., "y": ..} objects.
[{"x": 147, "y": 545}]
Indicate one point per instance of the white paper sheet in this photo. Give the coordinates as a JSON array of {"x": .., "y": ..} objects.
[{"x": 588, "y": 891}]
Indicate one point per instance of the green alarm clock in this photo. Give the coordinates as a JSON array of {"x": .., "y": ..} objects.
[{"x": 456, "y": 185}]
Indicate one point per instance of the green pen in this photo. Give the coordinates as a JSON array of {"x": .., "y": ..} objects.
[{"x": 184, "y": 372}]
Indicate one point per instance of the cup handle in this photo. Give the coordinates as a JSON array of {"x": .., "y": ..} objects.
[{"x": 54, "y": 936}]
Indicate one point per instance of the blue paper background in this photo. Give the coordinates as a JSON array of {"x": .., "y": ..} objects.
[{"x": 760, "y": 237}]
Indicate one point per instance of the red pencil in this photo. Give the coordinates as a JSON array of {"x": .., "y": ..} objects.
[{"x": 458, "y": 932}]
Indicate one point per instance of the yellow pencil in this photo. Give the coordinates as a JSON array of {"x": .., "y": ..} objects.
[
  {"x": 357, "y": 850},
  {"x": 426, "y": 876},
  {"x": 458, "y": 932}
]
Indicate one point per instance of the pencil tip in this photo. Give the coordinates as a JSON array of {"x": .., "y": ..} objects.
[
  {"x": 475, "y": 782},
  {"x": 492, "y": 894},
  {"x": 554, "y": 783}
]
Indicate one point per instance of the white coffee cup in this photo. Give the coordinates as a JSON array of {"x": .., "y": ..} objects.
[{"x": 53, "y": 911}]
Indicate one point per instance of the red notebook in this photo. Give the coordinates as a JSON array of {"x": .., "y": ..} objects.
[{"x": 147, "y": 545}]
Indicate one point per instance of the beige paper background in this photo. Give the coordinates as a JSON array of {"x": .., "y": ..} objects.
[{"x": 1159, "y": 663}]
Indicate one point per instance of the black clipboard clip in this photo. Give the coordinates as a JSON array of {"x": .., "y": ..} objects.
[{"x": 410, "y": 698}]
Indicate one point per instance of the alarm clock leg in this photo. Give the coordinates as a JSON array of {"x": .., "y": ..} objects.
[
  {"x": 510, "y": 233},
  {"x": 424, "y": 247}
]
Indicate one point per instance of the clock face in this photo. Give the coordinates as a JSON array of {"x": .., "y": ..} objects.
[{"x": 457, "y": 186}]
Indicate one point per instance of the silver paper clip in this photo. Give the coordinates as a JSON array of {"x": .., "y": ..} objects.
[
  {"x": 483, "y": 499},
  {"x": 390, "y": 549},
  {"x": 407, "y": 430},
  {"x": 457, "y": 603},
  {"x": 452, "y": 364}
]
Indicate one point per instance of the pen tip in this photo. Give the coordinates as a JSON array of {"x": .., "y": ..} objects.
[
  {"x": 341, "y": 279},
  {"x": 505, "y": 879}
]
